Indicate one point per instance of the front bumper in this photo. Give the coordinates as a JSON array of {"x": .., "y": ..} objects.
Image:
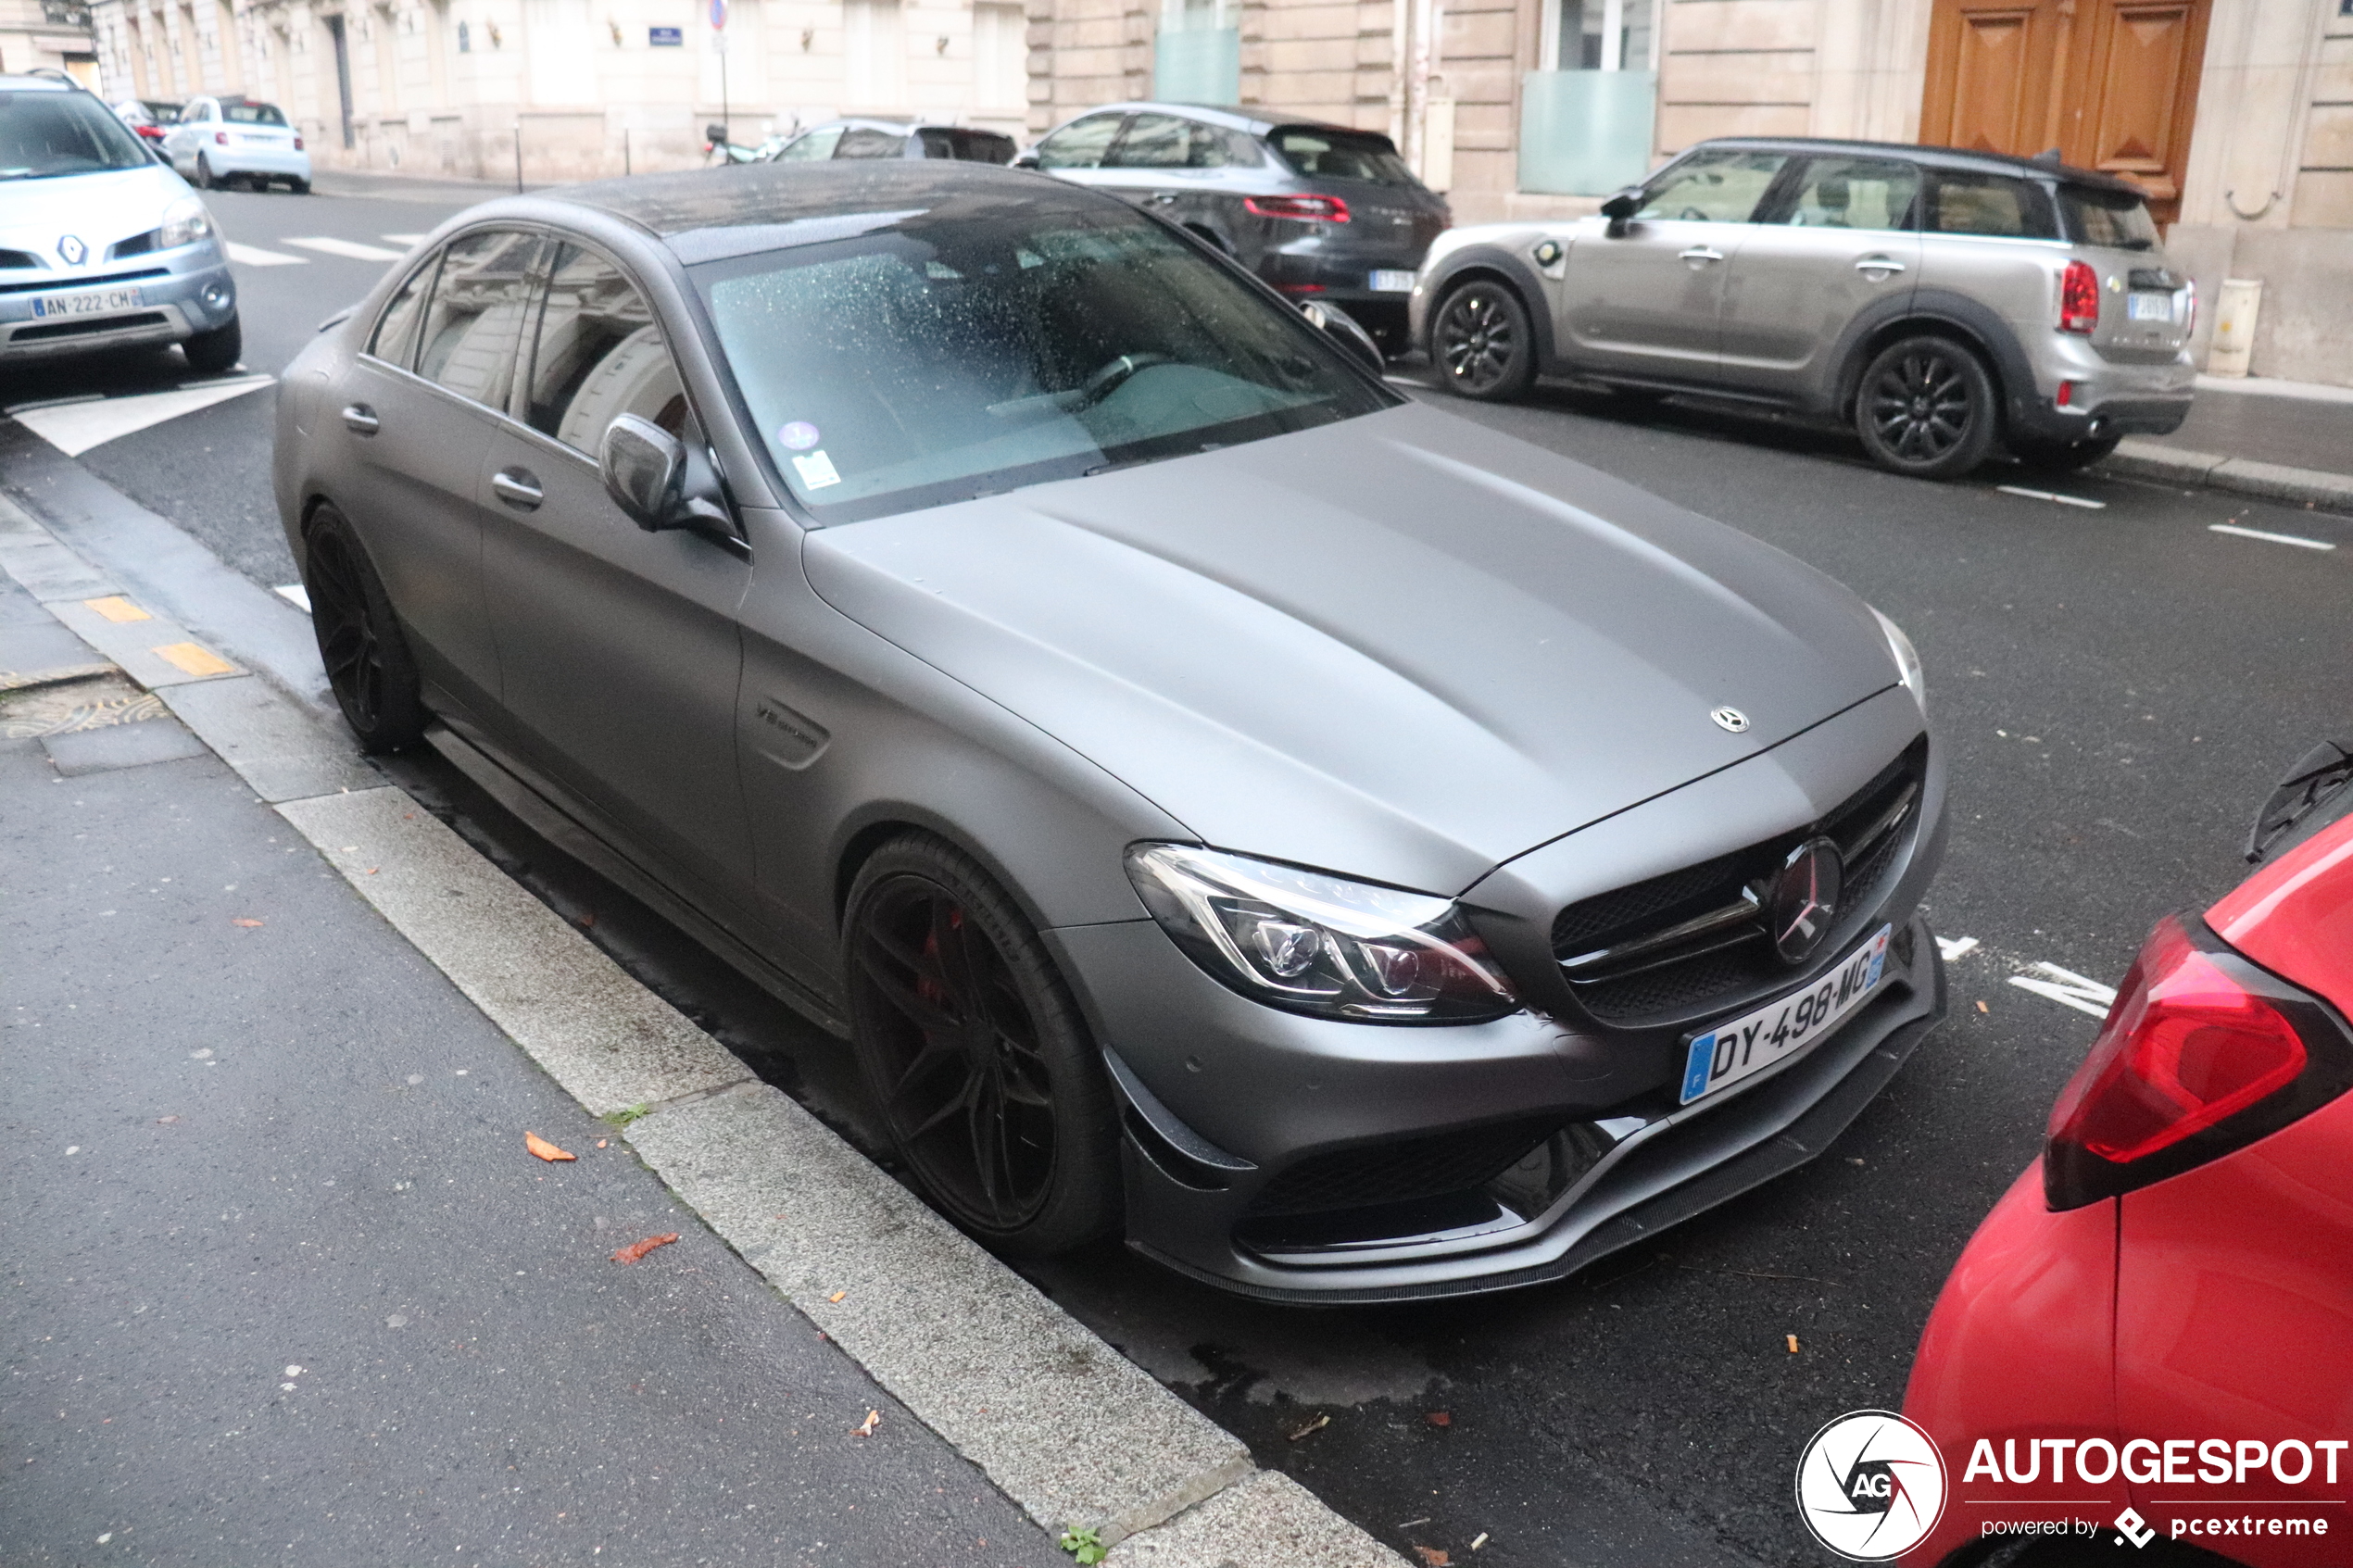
[
  {"x": 2146, "y": 396},
  {"x": 181, "y": 292},
  {"x": 1232, "y": 1108}
]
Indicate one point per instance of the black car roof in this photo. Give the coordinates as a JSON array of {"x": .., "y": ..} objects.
[
  {"x": 1937, "y": 158},
  {"x": 1256, "y": 120},
  {"x": 763, "y": 194}
]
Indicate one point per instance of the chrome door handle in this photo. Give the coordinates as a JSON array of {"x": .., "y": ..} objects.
[
  {"x": 1160, "y": 198},
  {"x": 1878, "y": 264},
  {"x": 361, "y": 419},
  {"x": 1701, "y": 252},
  {"x": 519, "y": 488}
]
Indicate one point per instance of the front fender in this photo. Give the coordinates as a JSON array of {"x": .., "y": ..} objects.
[{"x": 1495, "y": 259}]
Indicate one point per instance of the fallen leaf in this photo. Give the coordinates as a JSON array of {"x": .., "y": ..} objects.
[
  {"x": 544, "y": 1150},
  {"x": 1439, "y": 1418},
  {"x": 1983, "y": 1007},
  {"x": 638, "y": 1249},
  {"x": 1481, "y": 1542},
  {"x": 837, "y": 1295},
  {"x": 866, "y": 1428},
  {"x": 166, "y": 1120},
  {"x": 600, "y": 1143},
  {"x": 373, "y": 870},
  {"x": 241, "y": 920},
  {"x": 1315, "y": 1425},
  {"x": 1792, "y": 1344},
  {"x": 1432, "y": 1556}
]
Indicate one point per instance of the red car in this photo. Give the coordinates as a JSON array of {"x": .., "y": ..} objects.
[{"x": 2158, "y": 1316}]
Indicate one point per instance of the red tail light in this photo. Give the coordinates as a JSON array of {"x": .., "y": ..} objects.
[
  {"x": 297, "y": 143},
  {"x": 2079, "y": 298},
  {"x": 220, "y": 138},
  {"x": 2202, "y": 1053},
  {"x": 1311, "y": 209}
]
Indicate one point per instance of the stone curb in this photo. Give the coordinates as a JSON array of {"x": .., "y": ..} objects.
[{"x": 2272, "y": 482}]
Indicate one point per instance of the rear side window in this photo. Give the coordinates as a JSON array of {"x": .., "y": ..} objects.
[
  {"x": 1168, "y": 140},
  {"x": 1340, "y": 155},
  {"x": 252, "y": 114},
  {"x": 816, "y": 145},
  {"x": 1964, "y": 203},
  {"x": 1721, "y": 186},
  {"x": 395, "y": 339},
  {"x": 599, "y": 355},
  {"x": 476, "y": 315},
  {"x": 2116, "y": 219},
  {"x": 1081, "y": 143},
  {"x": 1854, "y": 193},
  {"x": 863, "y": 140}
]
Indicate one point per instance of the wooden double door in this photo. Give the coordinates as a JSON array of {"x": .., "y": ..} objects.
[{"x": 2111, "y": 83}]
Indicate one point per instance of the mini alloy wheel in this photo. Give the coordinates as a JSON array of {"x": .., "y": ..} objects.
[
  {"x": 367, "y": 661},
  {"x": 1482, "y": 342},
  {"x": 1925, "y": 407}
]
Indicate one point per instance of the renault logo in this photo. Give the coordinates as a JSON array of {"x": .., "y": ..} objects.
[
  {"x": 1805, "y": 899},
  {"x": 1730, "y": 719},
  {"x": 73, "y": 250}
]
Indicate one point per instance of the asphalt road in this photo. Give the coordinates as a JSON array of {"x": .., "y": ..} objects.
[{"x": 2116, "y": 687}]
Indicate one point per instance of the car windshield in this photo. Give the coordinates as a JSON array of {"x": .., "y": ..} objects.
[
  {"x": 941, "y": 357},
  {"x": 252, "y": 114},
  {"x": 1337, "y": 155},
  {"x": 2116, "y": 219},
  {"x": 46, "y": 134}
]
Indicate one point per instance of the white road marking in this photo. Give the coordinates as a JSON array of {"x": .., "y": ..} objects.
[
  {"x": 328, "y": 245},
  {"x": 253, "y": 255},
  {"x": 2053, "y": 496},
  {"x": 296, "y": 594},
  {"x": 2269, "y": 538},
  {"x": 401, "y": 239},
  {"x": 2067, "y": 988},
  {"x": 55, "y": 402},
  {"x": 1955, "y": 947},
  {"x": 74, "y": 427}
]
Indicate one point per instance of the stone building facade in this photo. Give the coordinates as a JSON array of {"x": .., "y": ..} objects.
[{"x": 52, "y": 33}]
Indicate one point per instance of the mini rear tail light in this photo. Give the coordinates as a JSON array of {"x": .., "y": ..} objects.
[
  {"x": 2202, "y": 1054},
  {"x": 2079, "y": 298},
  {"x": 220, "y": 138},
  {"x": 1311, "y": 209}
]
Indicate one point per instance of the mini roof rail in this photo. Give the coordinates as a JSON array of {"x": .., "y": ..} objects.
[{"x": 54, "y": 74}]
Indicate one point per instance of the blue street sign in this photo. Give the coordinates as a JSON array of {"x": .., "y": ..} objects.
[{"x": 666, "y": 37}]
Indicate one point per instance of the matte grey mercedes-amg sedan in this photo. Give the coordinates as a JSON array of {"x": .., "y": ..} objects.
[{"x": 1363, "y": 856}]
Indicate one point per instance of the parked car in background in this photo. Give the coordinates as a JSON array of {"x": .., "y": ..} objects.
[
  {"x": 101, "y": 246},
  {"x": 151, "y": 118},
  {"x": 1943, "y": 303},
  {"x": 1360, "y": 854},
  {"x": 1320, "y": 211},
  {"x": 225, "y": 141},
  {"x": 2172, "y": 1280},
  {"x": 895, "y": 138}
]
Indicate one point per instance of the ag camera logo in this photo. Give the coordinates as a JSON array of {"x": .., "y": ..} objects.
[{"x": 1870, "y": 1486}]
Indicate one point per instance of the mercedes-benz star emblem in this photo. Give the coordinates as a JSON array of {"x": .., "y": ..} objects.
[
  {"x": 1806, "y": 899},
  {"x": 1730, "y": 719},
  {"x": 73, "y": 250}
]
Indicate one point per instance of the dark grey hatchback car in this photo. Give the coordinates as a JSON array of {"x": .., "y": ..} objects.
[{"x": 1365, "y": 856}]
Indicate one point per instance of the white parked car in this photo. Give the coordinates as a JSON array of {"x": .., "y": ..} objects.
[{"x": 223, "y": 141}]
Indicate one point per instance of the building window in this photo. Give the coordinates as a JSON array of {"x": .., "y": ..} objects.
[
  {"x": 874, "y": 47},
  {"x": 1000, "y": 57},
  {"x": 1588, "y": 118},
  {"x": 1197, "y": 54}
]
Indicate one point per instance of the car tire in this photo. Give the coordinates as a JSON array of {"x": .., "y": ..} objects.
[
  {"x": 299, "y": 187},
  {"x": 369, "y": 665},
  {"x": 205, "y": 180},
  {"x": 973, "y": 1054},
  {"x": 1926, "y": 407},
  {"x": 2062, "y": 457},
  {"x": 1480, "y": 342},
  {"x": 218, "y": 350}
]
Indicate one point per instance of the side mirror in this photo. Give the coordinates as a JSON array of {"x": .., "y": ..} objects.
[
  {"x": 2313, "y": 794},
  {"x": 1342, "y": 329},
  {"x": 641, "y": 464},
  {"x": 1623, "y": 205},
  {"x": 1026, "y": 160}
]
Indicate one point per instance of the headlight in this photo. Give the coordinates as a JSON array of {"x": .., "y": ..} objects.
[
  {"x": 1907, "y": 661},
  {"x": 185, "y": 222},
  {"x": 1315, "y": 944}
]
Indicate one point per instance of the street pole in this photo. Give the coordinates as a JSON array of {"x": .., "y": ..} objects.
[
  {"x": 518, "y": 158},
  {"x": 719, "y": 41}
]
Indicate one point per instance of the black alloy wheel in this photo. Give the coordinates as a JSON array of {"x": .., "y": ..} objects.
[
  {"x": 360, "y": 642},
  {"x": 1926, "y": 407},
  {"x": 974, "y": 1054},
  {"x": 1481, "y": 343}
]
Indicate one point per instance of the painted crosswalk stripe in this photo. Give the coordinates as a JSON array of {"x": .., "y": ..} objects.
[
  {"x": 328, "y": 245},
  {"x": 74, "y": 427},
  {"x": 2067, "y": 988},
  {"x": 253, "y": 255},
  {"x": 401, "y": 239},
  {"x": 2270, "y": 538}
]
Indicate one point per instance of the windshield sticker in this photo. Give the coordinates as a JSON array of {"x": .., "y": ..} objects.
[
  {"x": 817, "y": 470},
  {"x": 798, "y": 437}
]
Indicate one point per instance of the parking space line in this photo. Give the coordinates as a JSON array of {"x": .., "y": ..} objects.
[
  {"x": 253, "y": 255},
  {"x": 2296, "y": 540},
  {"x": 1955, "y": 947},
  {"x": 2067, "y": 988},
  {"x": 2085, "y": 502},
  {"x": 326, "y": 244}
]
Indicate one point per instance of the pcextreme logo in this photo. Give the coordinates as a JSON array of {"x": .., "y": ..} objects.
[{"x": 1870, "y": 1486}]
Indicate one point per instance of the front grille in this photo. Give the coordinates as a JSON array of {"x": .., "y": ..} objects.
[
  {"x": 90, "y": 324},
  {"x": 87, "y": 283},
  {"x": 137, "y": 244},
  {"x": 1399, "y": 1171},
  {"x": 18, "y": 258},
  {"x": 1694, "y": 941}
]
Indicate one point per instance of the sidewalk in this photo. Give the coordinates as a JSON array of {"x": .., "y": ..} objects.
[{"x": 2280, "y": 440}]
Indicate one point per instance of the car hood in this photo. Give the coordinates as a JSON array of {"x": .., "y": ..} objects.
[
  {"x": 1402, "y": 647},
  {"x": 97, "y": 208}
]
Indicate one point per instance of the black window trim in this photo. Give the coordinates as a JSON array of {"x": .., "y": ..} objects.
[{"x": 430, "y": 265}]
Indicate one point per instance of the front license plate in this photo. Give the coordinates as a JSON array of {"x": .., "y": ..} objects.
[
  {"x": 1387, "y": 281},
  {"x": 1780, "y": 1030},
  {"x": 96, "y": 303},
  {"x": 2148, "y": 306}
]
